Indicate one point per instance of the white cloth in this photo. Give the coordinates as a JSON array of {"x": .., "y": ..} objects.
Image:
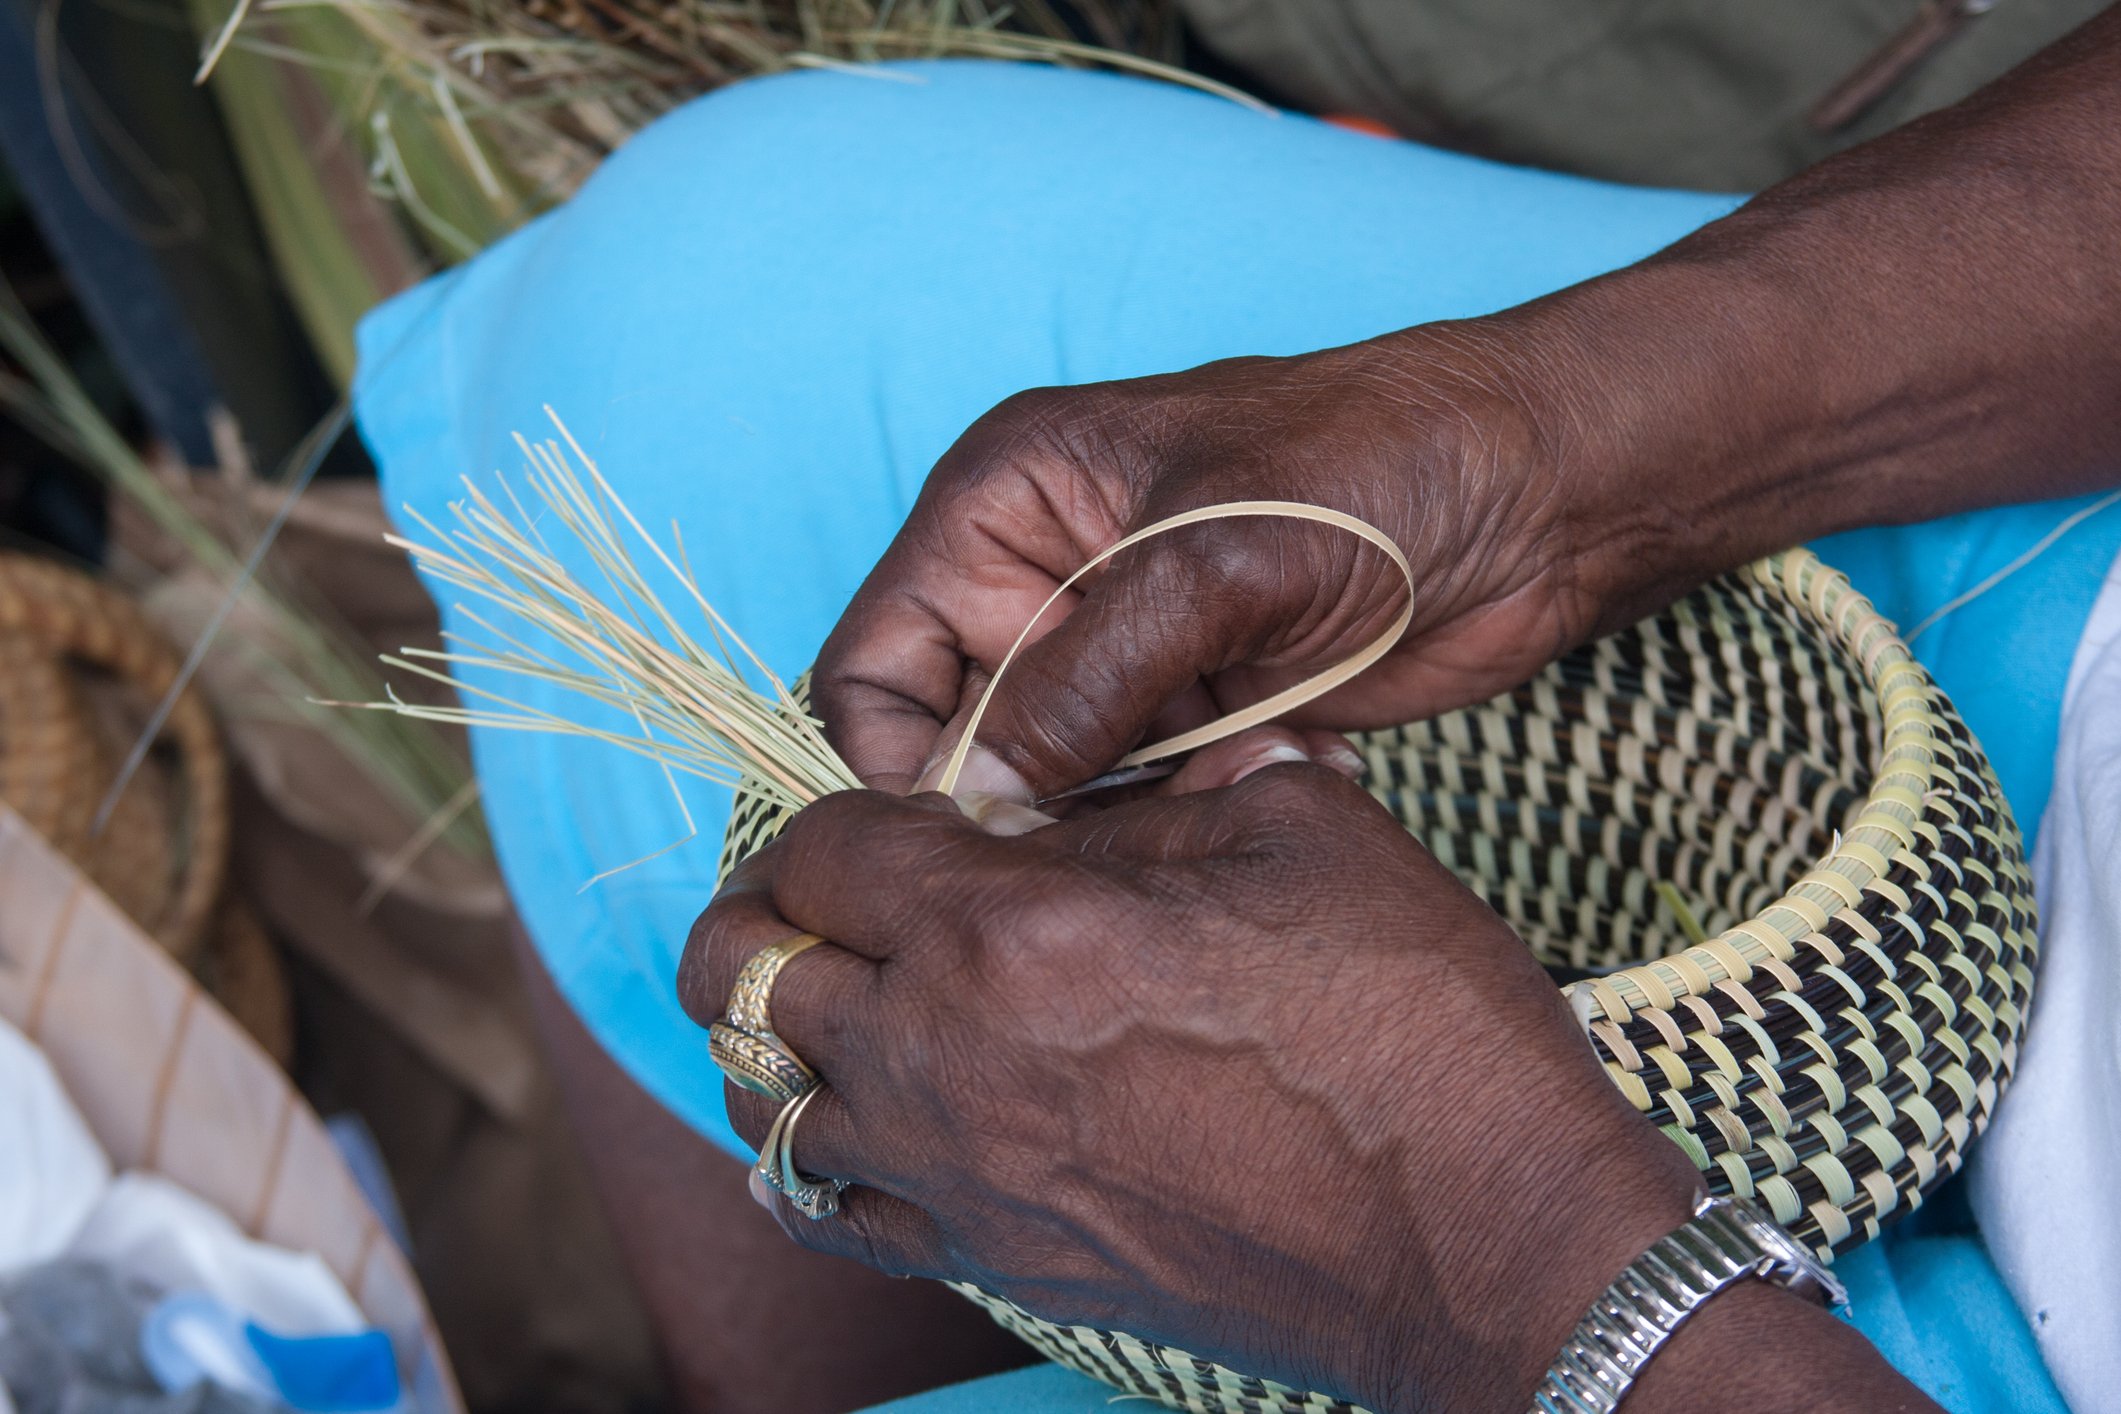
[
  {"x": 52, "y": 1170},
  {"x": 149, "y": 1228},
  {"x": 2043, "y": 1180}
]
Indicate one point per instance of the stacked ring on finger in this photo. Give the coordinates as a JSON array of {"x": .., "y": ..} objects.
[
  {"x": 750, "y": 1006},
  {"x": 814, "y": 1198},
  {"x": 763, "y": 1067},
  {"x": 743, "y": 1044}
]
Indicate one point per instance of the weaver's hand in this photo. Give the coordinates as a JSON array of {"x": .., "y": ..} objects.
[
  {"x": 1245, "y": 1071},
  {"x": 1831, "y": 355},
  {"x": 1420, "y": 435}
]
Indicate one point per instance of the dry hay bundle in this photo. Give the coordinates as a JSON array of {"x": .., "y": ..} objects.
[
  {"x": 1769, "y": 863},
  {"x": 532, "y": 96}
]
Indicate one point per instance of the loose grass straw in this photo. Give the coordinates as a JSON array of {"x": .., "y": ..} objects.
[{"x": 708, "y": 709}]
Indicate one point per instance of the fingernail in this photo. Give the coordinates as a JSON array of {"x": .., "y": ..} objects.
[
  {"x": 1000, "y": 817},
  {"x": 984, "y": 773},
  {"x": 1346, "y": 760},
  {"x": 1273, "y": 755},
  {"x": 760, "y": 1193}
]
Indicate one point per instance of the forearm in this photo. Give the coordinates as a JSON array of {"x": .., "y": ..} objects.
[{"x": 1927, "y": 324}]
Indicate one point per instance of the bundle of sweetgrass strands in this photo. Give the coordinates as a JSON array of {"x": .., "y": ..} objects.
[
  {"x": 636, "y": 634},
  {"x": 714, "y": 709}
]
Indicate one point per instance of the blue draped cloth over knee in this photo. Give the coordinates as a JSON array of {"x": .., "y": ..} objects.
[{"x": 768, "y": 314}]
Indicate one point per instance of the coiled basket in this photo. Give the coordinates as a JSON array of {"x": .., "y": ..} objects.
[{"x": 1773, "y": 872}]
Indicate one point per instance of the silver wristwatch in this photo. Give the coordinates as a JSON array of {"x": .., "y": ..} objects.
[{"x": 1727, "y": 1241}]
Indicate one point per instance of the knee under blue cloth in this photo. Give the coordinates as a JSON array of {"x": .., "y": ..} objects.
[{"x": 767, "y": 316}]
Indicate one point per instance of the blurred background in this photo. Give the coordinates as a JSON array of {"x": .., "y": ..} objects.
[{"x": 197, "y": 204}]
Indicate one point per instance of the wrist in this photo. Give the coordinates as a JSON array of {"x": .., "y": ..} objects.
[
  {"x": 1598, "y": 1208},
  {"x": 1682, "y": 415},
  {"x": 1494, "y": 1289},
  {"x": 1761, "y": 1348},
  {"x": 1624, "y": 440}
]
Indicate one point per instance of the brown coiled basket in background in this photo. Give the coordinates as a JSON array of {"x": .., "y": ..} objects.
[
  {"x": 1768, "y": 756},
  {"x": 81, "y": 669}
]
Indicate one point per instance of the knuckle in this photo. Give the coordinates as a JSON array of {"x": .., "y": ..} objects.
[
  {"x": 1034, "y": 408},
  {"x": 1076, "y": 429},
  {"x": 1021, "y": 425},
  {"x": 1060, "y": 712},
  {"x": 1220, "y": 557},
  {"x": 1300, "y": 814},
  {"x": 1225, "y": 589}
]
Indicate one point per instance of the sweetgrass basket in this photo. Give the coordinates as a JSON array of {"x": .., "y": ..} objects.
[
  {"x": 71, "y": 646},
  {"x": 1776, "y": 877}
]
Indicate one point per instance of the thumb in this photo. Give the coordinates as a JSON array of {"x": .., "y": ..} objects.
[{"x": 1076, "y": 700}]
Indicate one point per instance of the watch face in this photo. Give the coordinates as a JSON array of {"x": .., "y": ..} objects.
[{"x": 1812, "y": 1276}]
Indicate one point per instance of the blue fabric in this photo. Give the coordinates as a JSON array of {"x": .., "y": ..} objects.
[{"x": 769, "y": 314}]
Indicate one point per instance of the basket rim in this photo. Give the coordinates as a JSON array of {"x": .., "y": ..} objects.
[{"x": 1886, "y": 829}]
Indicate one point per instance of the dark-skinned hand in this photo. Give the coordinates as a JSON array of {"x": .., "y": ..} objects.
[
  {"x": 1228, "y": 1070},
  {"x": 1414, "y": 436},
  {"x": 1831, "y": 355},
  {"x": 1243, "y": 1070}
]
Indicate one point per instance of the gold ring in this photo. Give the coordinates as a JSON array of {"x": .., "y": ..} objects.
[
  {"x": 760, "y": 1066},
  {"x": 815, "y": 1198},
  {"x": 750, "y": 1000}
]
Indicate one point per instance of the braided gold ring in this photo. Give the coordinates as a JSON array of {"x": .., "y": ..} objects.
[
  {"x": 815, "y": 1198},
  {"x": 750, "y": 1000},
  {"x": 763, "y": 1067}
]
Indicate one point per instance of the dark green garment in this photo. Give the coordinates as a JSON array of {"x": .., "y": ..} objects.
[{"x": 1710, "y": 94}]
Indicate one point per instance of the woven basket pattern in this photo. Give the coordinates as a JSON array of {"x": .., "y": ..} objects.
[
  {"x": 1767, "y": 762},
  {"x": 56, "y": 626}
]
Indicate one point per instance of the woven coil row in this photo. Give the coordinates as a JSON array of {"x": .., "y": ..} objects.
[
  {"x": 81, "y": 668},
  {"x": 1766, "y": 768},
  {"x": 56, "y": 627}
]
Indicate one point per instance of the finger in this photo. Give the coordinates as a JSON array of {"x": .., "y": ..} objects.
[
  {"x": 828, "y": 1145},
  {"x": 1230, "y": 760},
  {"x": 827, "y": 1140},
  {"x": 880, "y": 875},
  {"x": 876, "y": 1229},
  {"x": 1335, "y": 752},
  {"x": 1276, "y": 808},
  {"x": 981, "y": 772},
  {"x": 820, "y": 1001},
  {"x": 986, "y": 545},
  {"x": 1159, "y": 621},
  {"x": 886, "y": 681},
  {"x": 1001, "y": 817}
]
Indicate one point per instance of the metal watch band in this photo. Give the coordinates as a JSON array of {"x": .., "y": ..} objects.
[{"x": 1727, "y": 1241}]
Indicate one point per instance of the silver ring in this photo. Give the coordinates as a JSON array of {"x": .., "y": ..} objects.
[{"x": 814, "y": 1198}]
